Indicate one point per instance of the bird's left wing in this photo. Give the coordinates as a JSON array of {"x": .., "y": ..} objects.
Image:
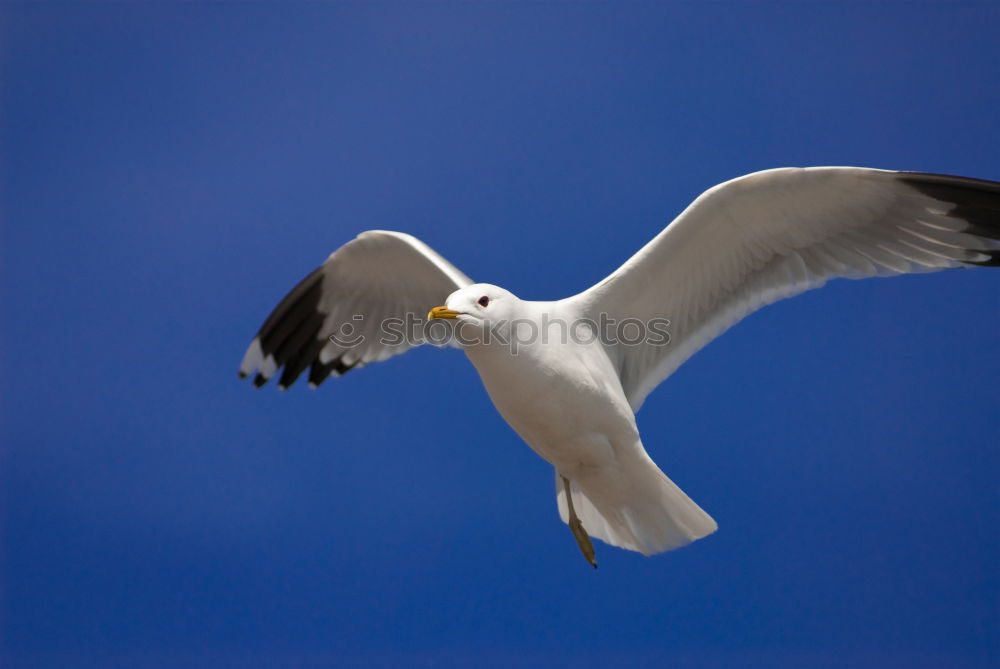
[
  {"x": 771, "y": 235},
  {"x": 359, "y": 306}
]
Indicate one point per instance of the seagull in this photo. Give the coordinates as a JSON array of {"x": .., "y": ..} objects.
[{"x": 569, "y": 375}]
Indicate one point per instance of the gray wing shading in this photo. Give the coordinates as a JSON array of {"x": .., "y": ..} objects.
[
  {"x": 771, "y": 235},
  {"x": 377, "y": 276}
]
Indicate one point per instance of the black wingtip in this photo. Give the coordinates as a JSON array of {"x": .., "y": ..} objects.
[
  {"x": 974, "y": 201},
  {"x": 290, "y": 338},
  {"x": 320, "y": 371},
  {"x": 241, "y": 374},
  {"x": 992, "y": 261},
  {"x": 949, "y": 180},
  {"x": 259, "y": 380}
]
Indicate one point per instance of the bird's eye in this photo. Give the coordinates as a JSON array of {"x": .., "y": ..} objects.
[{"x": 484, "y": 301}]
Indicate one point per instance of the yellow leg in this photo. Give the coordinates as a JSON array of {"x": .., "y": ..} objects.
[{"x": 582, "y": 539}]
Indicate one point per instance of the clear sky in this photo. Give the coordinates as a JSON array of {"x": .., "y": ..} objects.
[{"x": 170, "y": 171}]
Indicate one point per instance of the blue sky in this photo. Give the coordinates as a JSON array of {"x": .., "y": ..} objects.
[{"x": 170, "y": 171}]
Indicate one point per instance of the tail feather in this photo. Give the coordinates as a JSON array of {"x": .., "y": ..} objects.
[{"x": 634, "y": 505}]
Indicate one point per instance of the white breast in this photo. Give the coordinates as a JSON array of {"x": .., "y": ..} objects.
[{"x": 561, "y": 396}]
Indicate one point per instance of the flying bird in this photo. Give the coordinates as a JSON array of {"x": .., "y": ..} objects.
[{"x": 569, "y": 377}]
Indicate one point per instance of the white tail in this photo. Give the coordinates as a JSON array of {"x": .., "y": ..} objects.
[{"x": 635, "y": 506}]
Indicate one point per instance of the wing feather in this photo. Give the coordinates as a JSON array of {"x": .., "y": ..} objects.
[
  {"x": 771, "y": 235},
  {"x": 380, "y": 275}
]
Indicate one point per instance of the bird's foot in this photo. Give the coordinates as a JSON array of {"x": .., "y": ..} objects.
[{"x": 583, "y": 541}]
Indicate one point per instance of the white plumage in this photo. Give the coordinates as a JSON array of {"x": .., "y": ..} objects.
[{"x": 741, "y": 245}]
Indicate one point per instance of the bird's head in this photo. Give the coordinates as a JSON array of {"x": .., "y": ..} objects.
[{"x": 479, "y": 306}]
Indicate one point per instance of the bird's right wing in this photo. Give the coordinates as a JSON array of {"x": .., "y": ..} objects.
[
  {"x": 364, "y": 304},
  {"x": 770, "y": 235}
]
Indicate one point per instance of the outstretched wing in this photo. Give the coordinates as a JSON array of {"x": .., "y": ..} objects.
[
  {"x": 771, "y": 235},
  {"x": 334, "y": 319}
]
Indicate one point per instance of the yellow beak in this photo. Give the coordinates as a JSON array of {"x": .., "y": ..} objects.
[{"x": 441, "y": 312}]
